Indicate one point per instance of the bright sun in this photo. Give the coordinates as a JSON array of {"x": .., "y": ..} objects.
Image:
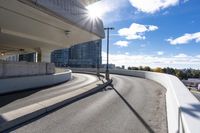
[{"x": 94, "y": 12}]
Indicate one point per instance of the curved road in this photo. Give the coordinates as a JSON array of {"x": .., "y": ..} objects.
[
  {"x": 132, "y": 105},
  {"x": 17, "y": 100}
]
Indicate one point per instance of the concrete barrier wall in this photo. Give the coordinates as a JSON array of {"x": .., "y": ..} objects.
[
  {"x": 9, "y": 85},
  {"x": 15, "y": 69},
  {"x": 183, "y": 109},
  {"x": 50, "y": 68}
]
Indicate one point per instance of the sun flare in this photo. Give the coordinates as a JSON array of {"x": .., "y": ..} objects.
[{"x": 94, "y": 12}]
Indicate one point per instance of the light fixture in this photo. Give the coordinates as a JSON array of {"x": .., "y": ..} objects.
[
  {"x": 2, "y": 53},
  {"x": 21, "y": 50},
  {"x": 67, "y": 32}
]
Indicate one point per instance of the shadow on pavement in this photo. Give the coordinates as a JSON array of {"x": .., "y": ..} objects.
[
  {"x": 70, "y": 101},
  {"x": 8, "y": 98},
  {"x": 193, "y": 111},
  {"x": 134, "y": 111},
  {"x": 11, "y": 97}
]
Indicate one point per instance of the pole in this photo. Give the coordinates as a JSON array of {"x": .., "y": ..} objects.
[
  {"x": 107, "y": 70},
  {"x": 98, "y": 72}
]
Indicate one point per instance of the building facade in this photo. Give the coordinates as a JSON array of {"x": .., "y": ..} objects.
[
  {"x": 30, "y": 57},
  {"x": 81, "y": 55},
  {"x": 60, "y": 57}
]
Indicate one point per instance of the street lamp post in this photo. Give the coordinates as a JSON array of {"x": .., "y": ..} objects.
[
  {"x": 98, "y": 72},
  {"x": 107, "y": 71}
]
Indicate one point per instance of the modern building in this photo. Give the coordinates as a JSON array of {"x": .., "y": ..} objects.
[
  {"x": 86, "y": 54},
  {"x": 60, "y": 57},
  {"x": 30, "y": 57},
  {"x": 80, "y": 55}
]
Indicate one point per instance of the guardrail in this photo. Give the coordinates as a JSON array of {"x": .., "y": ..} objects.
[{"x": 183, "y": 109}]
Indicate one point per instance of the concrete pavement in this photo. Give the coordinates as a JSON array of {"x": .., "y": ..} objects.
[
  {"x": 14, "y": 101},
  {"x": 19, "y": 115},
  {"x": 131, "y": 105}
]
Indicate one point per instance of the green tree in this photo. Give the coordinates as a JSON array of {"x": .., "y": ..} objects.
[
  {"x": 158, "y": 69},
  {"x": 147, "y": 68},
  {"x": 141, "y": 68}
]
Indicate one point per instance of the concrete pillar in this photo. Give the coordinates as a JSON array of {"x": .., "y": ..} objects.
[
  {"x": 1, "y": 68},
  {"x": 43, "y": 55}
]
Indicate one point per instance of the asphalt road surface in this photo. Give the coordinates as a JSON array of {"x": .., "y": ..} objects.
[
  {"x": 17, "y": 100},
  {"x": 132, "y": 105}
]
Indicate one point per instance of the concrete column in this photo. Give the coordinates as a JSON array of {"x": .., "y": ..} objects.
[
  {"x": 43, "y": 55},
  {"x": 1, "y": 68}
]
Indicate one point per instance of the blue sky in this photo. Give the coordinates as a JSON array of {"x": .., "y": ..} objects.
[{"x": 156, "y": 33}]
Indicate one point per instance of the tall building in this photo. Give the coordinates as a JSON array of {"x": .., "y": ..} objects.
[
  {"x": 81, "y": 55},
  {"x": 60, "y": 57},
  {"x": 86, "y": 54}
]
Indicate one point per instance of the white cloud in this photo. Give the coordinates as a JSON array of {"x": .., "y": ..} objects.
[
  {"x": 122, "y": 43},
  {"x": 136, "y": 31},
  {"x": 152, "y": 28},
  {"x": 176, "y": 61},
  {"x": 186, "y": 38},
  {"x": 160, "y": 53},
  {"x": 181, "y": 55},
  {"x": 152, "y": 6}
]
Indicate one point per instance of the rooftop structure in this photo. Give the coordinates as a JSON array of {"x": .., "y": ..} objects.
[{"x": 45, "y": 25}]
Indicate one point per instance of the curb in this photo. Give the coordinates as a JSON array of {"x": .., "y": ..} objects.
[
  {"x": 21, "y": 115},
  {"x": 85, "y": 72}
]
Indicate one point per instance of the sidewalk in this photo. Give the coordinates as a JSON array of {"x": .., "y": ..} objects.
[{"x": 21, "y": 114}]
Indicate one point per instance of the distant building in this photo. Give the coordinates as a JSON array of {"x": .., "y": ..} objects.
[
  {"x": 81, "y": 55},
  {"x": 12, "y": 58},
  {"x": 192, "y": 82},
  {"x": 60, "y": 57},
  {"x": 110, "y": 66},
  {"x": 30, "y": 57}
]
